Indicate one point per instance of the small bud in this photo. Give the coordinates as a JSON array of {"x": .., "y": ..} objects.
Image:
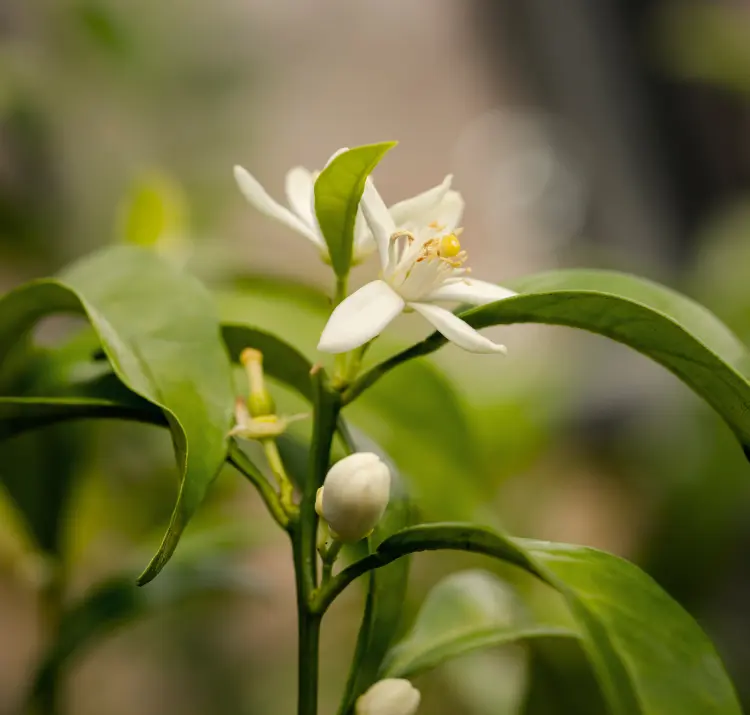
[
  {"x": 392, "y": 696},
  {"x": 260, "y": 401},
  {"x": 355, "y": 495}
]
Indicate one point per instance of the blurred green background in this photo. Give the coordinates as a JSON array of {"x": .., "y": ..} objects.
[{"x": 600, "y": 133}]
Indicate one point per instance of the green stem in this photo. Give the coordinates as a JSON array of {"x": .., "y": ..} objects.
[
  {"x": 308, "y": 630},
  {"x": 329, "y": 558},
  {"x": 340, "y": 360},
  {"x": 327, "y": 404},
  {"x": 238, "y": 459},
  {"x": 286, "y": 490},
  {"x": 427, "y": 346}
]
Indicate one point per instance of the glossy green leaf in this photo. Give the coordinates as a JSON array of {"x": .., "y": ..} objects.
[
  {"x": 101, "y": 398},
  {"x": 160, "y": 332},
  {"x": 649, "y": 655},
  {"x": 338, "y": 191},
  {"x": 668, "y": 327},
  {"x": 466, "y": 611}
]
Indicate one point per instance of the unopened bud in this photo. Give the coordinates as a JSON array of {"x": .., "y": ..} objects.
[
  {"x": 259, "y": 402},
  {"x": 355, "y": 495},
  {"x": 392, "y": 696}
]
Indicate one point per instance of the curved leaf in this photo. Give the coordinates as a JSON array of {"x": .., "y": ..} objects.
[
  {"x": 102, "y": 398},
  {"x": 466, "y": 611},
  {"x": 668, "y": 327},
  {"x": 159, "y": 330},
  {"x": 650, "y": 656},
  {"x": 338, "y": 191}
]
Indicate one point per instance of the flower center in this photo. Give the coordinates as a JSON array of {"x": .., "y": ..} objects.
[{"x": 419, "y": 266}]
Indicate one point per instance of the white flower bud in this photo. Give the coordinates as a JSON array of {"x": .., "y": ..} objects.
[
  {"x": 392, "y": 696},
  {"x": 355, "y": 495}
]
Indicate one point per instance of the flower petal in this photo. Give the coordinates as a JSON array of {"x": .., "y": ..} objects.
[
  {"x": 258, "y": 197},
  {"x": 360, "y": 317},
  {"x": 450, "y": 211},
  {"x": 378, "y": 219},
  {"x": 364, "y": 243},
  {"x": 299, "y": 187},
  {"x": 469, "y": 290},
  {"x": 423, "y": 208},
  {"x": 456, "y": 330}
]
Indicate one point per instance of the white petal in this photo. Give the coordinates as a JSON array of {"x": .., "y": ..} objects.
[
  {"x": 364, "y": 243},
  {"x": 360, "y": 317},
  {"x": 258, "y": 197},
  {"x": 450, "y": 211},
  {"x": 456, "y": 330},
  {"x": 299, "y": 187},
  {"x": 378, "y": 219},
  {"x": 469, "y": 290},
  {"x": 423, "y": 208}
]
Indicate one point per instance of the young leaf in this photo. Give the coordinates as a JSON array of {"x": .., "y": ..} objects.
[
  {"x": 159, "y": 330},
  {"x": 466, "y": 611},
  {"x": 338, "y": 191},
  {"x": 649, "y": 655}
]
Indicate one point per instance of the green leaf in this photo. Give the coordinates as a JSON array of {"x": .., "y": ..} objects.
[
  {"x": 338, "y": 191},
  {"x": 668, "y": 327},
  {"x": 650, "y": 656},
  {"x": 159, "y": 330},
  {"x": 99, "y": 399},
  {"x": 466, "y": 611}
]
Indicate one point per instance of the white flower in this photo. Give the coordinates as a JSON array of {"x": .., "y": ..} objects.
[
  {"x": 421, "y": 264},
  {"x": 392, "y": 696},
  {"x": 354, "y": 495},
  {"x": 300, "y": 216}
]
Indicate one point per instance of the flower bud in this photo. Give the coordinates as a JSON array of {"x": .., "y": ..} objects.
[
  {"x": 355, "y": 495},
  {"x": 392, "y": 696},
  {"x": 260, "y": 402}
]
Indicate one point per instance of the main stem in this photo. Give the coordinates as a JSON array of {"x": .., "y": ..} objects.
[
  {"x": 308, "y": 632},
  {"x": 340, "y": 360},
  {"x": 327, "y": 405}
]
